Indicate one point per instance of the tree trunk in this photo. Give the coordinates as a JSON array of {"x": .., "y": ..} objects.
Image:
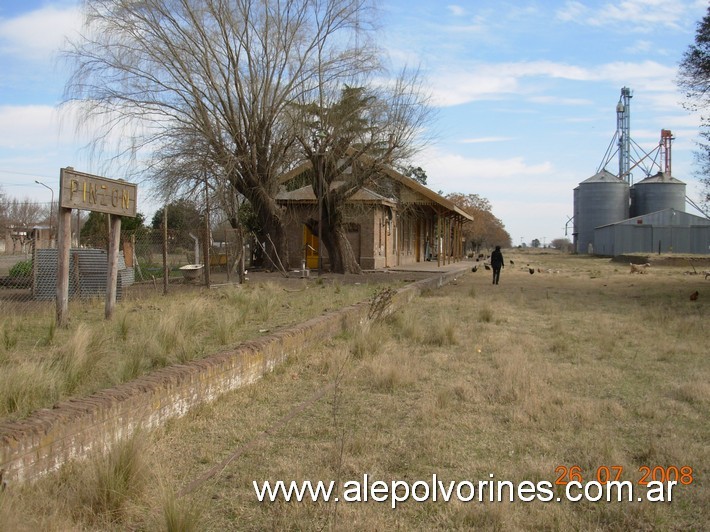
[
  {"x": 239, "y": 258},
  {"x": 273, "y": 236},
  {"x": 272, "y": 232},
  {"x": 340, "y": 252}
]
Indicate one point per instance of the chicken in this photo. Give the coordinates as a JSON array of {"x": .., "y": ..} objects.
[
  {"x": 694, "y": 296},
  {"x": 511, "y": 262},
  {"x": 531, "y": 270},
  {"x": 475, "y": 268},
  {"x": 486, "y": 266}
]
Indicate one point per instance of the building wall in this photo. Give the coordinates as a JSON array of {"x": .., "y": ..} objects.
[
  {"x": 379, "y": 232},
  {"x": 666, "y": 231},
  {"x": 298, "y": 214},
  {"x": 624, "y": 238},
  {"x": 408, "y": 241},
  {"x": 380, "y": 236},
  {"x": 366, "y": 229}
]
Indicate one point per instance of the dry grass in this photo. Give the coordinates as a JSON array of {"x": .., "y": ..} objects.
[
  {"x": 587, "y": 367},
  {"x": 40, "y": 364}
]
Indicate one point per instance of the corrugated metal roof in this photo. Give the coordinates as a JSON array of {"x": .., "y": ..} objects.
[
  {"x": 661, "y": 177},
  {"x": 306, "y": 195},
  {"x": 604, "y": 176},
  {"x": 410, "y": 183},
  {"x": 665, "y": 217}
]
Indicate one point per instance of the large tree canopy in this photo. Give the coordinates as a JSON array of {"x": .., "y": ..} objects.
[
  {"x": 195, "y": 90},
  {"x": 485, "y": 231},
  {"x": 694, "y": 80}
]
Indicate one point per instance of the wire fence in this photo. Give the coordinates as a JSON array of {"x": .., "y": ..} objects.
[{"x": 151, "y": 259}]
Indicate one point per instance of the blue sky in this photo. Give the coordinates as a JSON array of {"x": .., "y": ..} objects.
[{"x": 525, "y": 92}]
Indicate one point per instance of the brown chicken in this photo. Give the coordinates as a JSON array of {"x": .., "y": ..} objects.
[{"x": 694, "y": 296}]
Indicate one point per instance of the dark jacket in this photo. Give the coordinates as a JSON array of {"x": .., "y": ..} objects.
[{"x": 497, "y": 259}]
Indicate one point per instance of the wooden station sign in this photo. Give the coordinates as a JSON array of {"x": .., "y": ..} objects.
[{"x": 78, "y": 190}]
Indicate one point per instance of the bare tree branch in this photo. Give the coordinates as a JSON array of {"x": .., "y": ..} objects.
[{"x": 180, "y": 87}]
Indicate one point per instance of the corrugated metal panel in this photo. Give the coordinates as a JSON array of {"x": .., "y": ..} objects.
[
  {"x": 699, "y": 239},
  {"x": 88, "y": 269},
  {"x": 618, "y": 239}
]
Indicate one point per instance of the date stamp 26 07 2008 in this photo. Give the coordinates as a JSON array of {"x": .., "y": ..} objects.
[
  {"x": 658, "y": 481},
  {"x": 682, "y": 475}
]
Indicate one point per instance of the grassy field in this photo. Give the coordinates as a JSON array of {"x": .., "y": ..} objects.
[
  {"x": 540, "y": 378},
  {"x": 41, "y": 364}
]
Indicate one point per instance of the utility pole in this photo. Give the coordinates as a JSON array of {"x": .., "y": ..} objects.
[
  {"x": 51, "y": 210},
  {"x": 320, "y": 190}
]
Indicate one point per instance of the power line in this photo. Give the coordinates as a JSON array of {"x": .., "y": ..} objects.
[{"x": 37, "y": 174}]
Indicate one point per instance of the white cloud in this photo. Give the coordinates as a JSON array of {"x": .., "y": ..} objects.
[
  {"x": 23, "y": 127},
  {"x": 532, "y": 200},
  {"x": 39, "y": 34},
  {"x": 639, "y": 47},
  {"x": 573, "y": 12},
  {"x": 640, "y": 16},
  {"x": 646, "y": 75},
  {"x": 455, "y": 172},
  {"x": 645, "y": 15},
  {"x": 456, "y": 10},
  {"x": 487, "y": 81},
  {"x": 454, "y": 88}
]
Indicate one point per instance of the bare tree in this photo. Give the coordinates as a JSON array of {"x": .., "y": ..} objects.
[
  {"x": 3, "y": 213},
  {"x": 350, "y": 134},
  {"x": 694, "y": 80},
  {"x": 563, "y": 244},
  {"x": 24, "y": 213},
  {"x": 197, "y": 88}
]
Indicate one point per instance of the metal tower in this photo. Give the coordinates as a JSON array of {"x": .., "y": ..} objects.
[
  {"x": 666, "y": 139},
  {"x": 623, "y": 130}
]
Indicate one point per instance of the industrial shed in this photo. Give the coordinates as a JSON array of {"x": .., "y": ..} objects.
[{"x": 665, "y": 231}]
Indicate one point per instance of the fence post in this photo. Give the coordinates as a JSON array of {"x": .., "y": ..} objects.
[
  {"x": 206, "y": 242},
  {"x": 228, "y": 263},
  {"x": 166, "y": 271},
  {"x": 112, "y": 274},
  {"x": 63, "y": 245}
]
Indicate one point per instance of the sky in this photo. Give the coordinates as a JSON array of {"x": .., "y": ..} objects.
[{"x": 525, "y": 94}]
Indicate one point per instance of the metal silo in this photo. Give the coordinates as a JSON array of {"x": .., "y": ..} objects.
[
  {"x": 600, "y": 200},
  {"x": 656, "y": 193}
]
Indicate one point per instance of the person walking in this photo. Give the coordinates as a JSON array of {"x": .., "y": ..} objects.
[{"x": 497, "y": 263}]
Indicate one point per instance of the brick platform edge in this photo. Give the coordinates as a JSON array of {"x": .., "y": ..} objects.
[{"x": 73, "y": 429}]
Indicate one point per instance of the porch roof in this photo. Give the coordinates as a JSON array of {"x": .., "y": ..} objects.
[{"x": 305, "y": 194}]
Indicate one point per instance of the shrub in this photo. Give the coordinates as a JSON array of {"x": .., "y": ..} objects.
[
  {"x": 119, "y": 475},
  {"x": 22, "y": 269}
]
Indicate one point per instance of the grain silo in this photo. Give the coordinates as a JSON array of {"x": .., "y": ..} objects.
[
  {"x": 600, "y": 200},
  {"x": 656, "y": 193}
]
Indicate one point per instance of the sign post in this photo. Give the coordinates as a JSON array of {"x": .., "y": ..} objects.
[{"x": 116, "y": 198}]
